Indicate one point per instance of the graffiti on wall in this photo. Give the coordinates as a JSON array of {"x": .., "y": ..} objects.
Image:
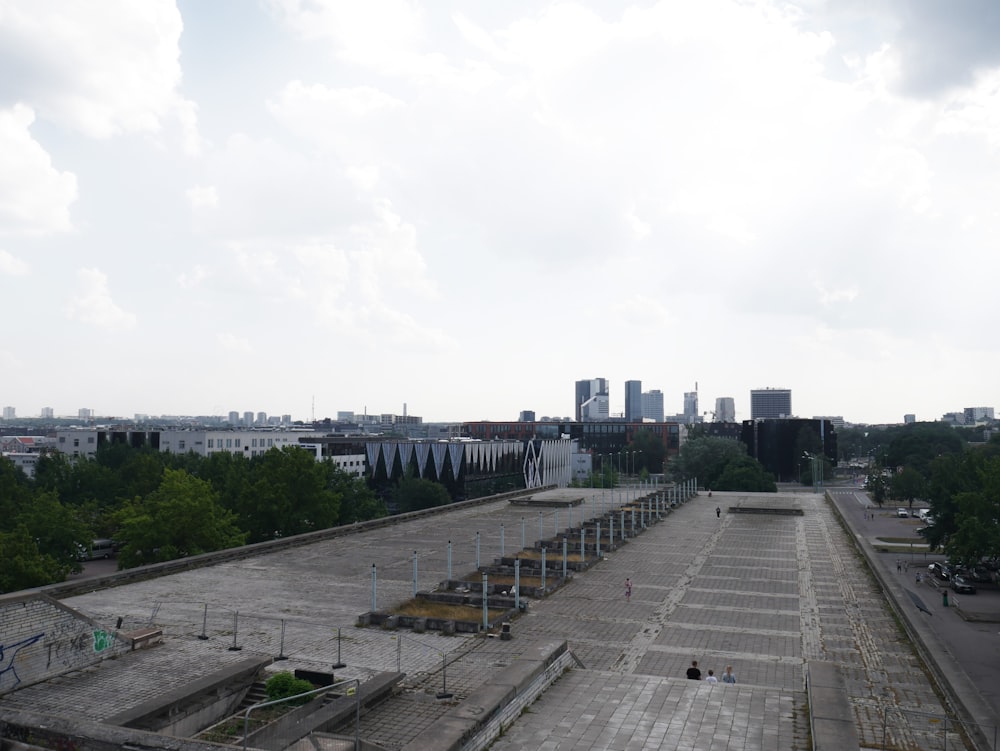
[
  {"x": 103, "y": 641},
  {"x": 8, "y": 655}
]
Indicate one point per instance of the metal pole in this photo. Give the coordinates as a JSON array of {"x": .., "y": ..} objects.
[
  {"x": 501, "y": 541},
  {"x": 543, "y": 570},
  {"x": 623, "y": 524},
  {"x": 445, "y": 694},
  {"x": 522, "y": 533},
  {"x": 204, "y": 624},
  {"x": 583, "y": 543},
  {"x": 399, "y": 653},
  {"x": 477, "y": 552},
  {"x": 598, "y": 553},
  {"x": 339, "y": 663},
  {"x": 555, "y": 525},
  {"x": 611, "y": 531},
  {"x": 374, "y": 580},
  {"x": 486, "y": 613},
  {"x": 449, "y": 560},
  {"x": 565, "y": 557},
  {"x": 414, "y": 573},
  {"x": 517, "y": 583},
  {"x": 281, "y": 649},
  {"x": 236, "y": 619},
  {"x": 357, "y": 714},
  {"x": 541, "y": 534}
]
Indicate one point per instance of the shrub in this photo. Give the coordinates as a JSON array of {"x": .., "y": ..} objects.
[{"x": 285, "y": 684}]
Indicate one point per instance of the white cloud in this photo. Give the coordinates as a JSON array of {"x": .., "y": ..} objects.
[
  {"x": 203, "y": 196},
  {"x": 232, "y": 343},
  {"x": 103, "y": 69},
  {"x": 11, "y": 265},
  {"x": 93, "y": 304},
  {"x": 34, "y": 196}
]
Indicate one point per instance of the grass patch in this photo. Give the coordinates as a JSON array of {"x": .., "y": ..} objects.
[{"x": 422, "y": 608}]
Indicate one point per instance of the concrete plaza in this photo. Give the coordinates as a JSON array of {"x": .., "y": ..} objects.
[{"x": 765, "y": 593}]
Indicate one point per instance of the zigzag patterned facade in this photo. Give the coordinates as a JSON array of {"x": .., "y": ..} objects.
[{"x": 538, "y": 462}]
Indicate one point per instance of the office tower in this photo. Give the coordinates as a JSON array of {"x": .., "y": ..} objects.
[
  {"x": 527, "y": 415},
  {"x": 691, "y": 406},
  {"x": 48, "y": 413},
  {"x": 84, "y": 413},
  {"x": 247, "y": 419},
  {"x": 234, "y": 418},
  {"x": 770, "y": 403},
  {"x": 909, "y": 419},
  {"x": 588, "y": 390},
  {"x": 261, "y": 418},
  {"x": 9, "y": 413},
  {"x": 652, "y": 405},
  {"x": 725, "y": 409},
  {"x": 633, "y": 401}
]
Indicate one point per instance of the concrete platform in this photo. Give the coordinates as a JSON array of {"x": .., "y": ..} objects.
[{"x": 763, "y": 593}]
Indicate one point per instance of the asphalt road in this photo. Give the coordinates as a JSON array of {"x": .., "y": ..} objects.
[{"x": 974, "y": 645}]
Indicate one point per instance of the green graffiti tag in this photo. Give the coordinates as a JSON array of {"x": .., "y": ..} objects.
[{"x": 103, "y": 640}]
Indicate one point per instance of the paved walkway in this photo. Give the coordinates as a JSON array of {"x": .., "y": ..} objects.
[{"x": 763, "y": 593}]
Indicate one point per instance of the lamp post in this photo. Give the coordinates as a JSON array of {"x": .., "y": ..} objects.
[{"x": 813, "y": 459}]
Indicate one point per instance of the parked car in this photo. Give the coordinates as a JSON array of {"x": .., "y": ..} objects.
[
  {"x": 939, "y": 570},
  {"x": 902, "y": 513},
  {"x": 962, "y": 585}
]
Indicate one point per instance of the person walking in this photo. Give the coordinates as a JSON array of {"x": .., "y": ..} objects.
[
  {"x": 628, "y": 589},
  {"x": 718, "y": 512},
  {"x": 693, "y": 673},
  {"x": 729, "y": 676}
]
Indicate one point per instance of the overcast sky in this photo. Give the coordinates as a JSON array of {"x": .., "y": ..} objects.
[{"x": 467, "y": 206}]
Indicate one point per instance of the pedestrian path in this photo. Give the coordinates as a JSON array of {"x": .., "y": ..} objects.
[{"x": 765, "y": 593}]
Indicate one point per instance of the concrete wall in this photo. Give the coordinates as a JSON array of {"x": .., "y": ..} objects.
[{"x": 41, "y": 638}]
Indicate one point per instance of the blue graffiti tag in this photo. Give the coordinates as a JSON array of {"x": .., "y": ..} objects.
[{"x": 8, "y": 652}]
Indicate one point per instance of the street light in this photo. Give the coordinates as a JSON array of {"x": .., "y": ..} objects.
[{"x": 816, "y": 478}]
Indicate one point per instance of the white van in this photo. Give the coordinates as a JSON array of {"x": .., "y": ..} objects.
[{"x": 98, "y": 549}]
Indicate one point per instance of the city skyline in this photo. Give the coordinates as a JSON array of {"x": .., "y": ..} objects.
[{"x": 465, "y": 206}]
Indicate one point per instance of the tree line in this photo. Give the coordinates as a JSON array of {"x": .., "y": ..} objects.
[
  {"x": 161, "y": 506},
  {"x": 959, "y": 480}
]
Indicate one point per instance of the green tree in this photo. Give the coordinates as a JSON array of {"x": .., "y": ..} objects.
[
  {"x": 414, "y": 494},
  {"x": 650, "y": 451},
  {"x": 706, "y": 459},
  {"x": 744, "y": 473},
  {"x": 918, "y": 444},
  {"x": 22, "y": 565},
  {"x": 288, "y": 496},
  {"x": 14, "y": 492},
  {"x": 358, "y": 502},
  {"x": 182, "y": 517},
  {"x": 56, "y": 529},
  {"x": 907, "y": 484}
]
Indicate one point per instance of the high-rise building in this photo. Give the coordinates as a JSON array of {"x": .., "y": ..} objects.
[
  {"x": 527, "y": 415},
  {"x": 588, "y": 390},
  {"x": 770, "y": 403},
  {"x": 725, "y": 409},
  {"x": 691, "y": 406},
  {"x": 261, "y": 418},
  {"x": 909, "y": 418},
  {"x": 652, "y": 405},
  {"x": 247, "y": 419},
  {"x": 234, "y": 418},
  {"x": 84, "y": 413},
  {"x": 975, "y": 415},
  {"x": 9, "y": 413},
  {"x": 633, "y": 401},
  {"x": 48, "y": 413}
]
